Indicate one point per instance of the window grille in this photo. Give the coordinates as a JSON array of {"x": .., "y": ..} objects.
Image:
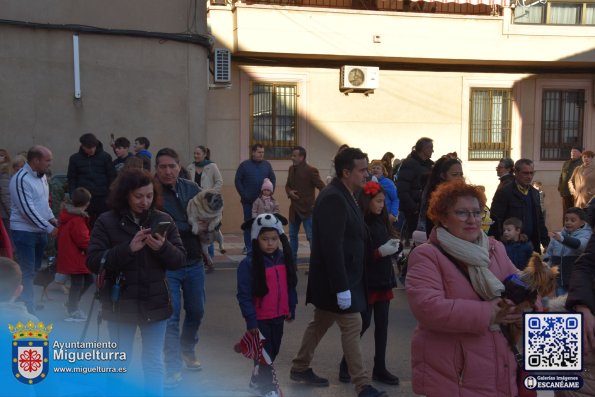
[
  {"x": 273, "y": 117},
  {"x": 561, "y": 122},
  {"x": 555, "y": 13},
  {"x": 489, "y": 123}
]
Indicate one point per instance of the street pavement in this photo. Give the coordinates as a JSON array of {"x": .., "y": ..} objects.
[{"x": 226, "y": 373}]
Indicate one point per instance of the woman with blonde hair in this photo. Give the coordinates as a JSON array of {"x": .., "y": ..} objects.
[{"x": 582, "y": 181}]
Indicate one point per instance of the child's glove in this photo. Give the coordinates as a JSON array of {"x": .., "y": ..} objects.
[
  {"x": 344, "y": 299},
  {"x": 389, "y": 248}
]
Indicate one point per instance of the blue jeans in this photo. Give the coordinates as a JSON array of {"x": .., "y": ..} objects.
[
  {"x": 152, "y": 340},
  {"x": 29, "y": 248},
  {"x": 247, "y": 208},
  {"x": 294, "y": 229},
  {"x": 189, "y": 283}
]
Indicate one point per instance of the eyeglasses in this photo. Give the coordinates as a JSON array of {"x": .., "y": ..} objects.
[{"x": 463, "y": 215}]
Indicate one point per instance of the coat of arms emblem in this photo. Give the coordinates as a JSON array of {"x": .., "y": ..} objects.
[{"x": 30, "y": 351}]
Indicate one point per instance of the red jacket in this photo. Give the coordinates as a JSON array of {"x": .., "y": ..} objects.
[
  {"x": 73, "y": 240},
  {"x": 5, "y": 244}
]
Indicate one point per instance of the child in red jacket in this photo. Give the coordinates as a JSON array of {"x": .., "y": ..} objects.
[{"x": 73, "y": 240}]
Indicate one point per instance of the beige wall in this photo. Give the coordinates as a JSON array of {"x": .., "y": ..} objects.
[{"x": 130, "y": 86}]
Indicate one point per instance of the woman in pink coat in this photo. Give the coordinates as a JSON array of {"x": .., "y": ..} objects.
[{"x": 454, "y": 287}]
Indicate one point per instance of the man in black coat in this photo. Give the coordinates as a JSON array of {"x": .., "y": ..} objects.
[
  {"x": 411, "y": 180},
  {"x": 92, "y": 168},
  {"x": 520, "y": 200},
  {"x": 336, "y": 284}
]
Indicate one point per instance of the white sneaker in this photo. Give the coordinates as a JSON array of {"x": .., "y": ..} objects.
[{"x": 76, "y": 316}]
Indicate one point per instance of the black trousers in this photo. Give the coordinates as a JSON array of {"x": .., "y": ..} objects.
[
  {"x": 79, "y": 284},
  {"x": 272, "y": 330},
  {"x": 380, "y": 312}
]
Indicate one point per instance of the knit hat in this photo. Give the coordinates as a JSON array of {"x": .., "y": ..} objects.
[
  {"x": 266, "y": 220},
  {"x": 267, "y": 185},
  {"x": 577, "y": 147}
]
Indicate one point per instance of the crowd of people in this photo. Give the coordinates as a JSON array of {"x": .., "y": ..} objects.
[{"x": 129, "y": 225}]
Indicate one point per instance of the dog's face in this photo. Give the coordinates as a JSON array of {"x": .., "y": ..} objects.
[{"x": 214, "y": 201}]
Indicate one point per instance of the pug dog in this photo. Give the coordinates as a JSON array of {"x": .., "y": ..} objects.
[{"x": 207, "y": 206}]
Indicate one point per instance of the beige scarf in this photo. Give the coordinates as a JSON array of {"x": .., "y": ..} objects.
[{"x": 475, "y": 255}]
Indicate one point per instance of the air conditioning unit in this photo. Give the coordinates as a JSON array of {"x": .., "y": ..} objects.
[
  {"x": 222, "y": 65},
  {"x": 359, "y": 77}
]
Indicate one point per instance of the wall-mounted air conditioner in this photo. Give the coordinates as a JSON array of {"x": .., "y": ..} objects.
[
  {"x": 222, "y": 65},
  {"x": 359, "y": 77}
]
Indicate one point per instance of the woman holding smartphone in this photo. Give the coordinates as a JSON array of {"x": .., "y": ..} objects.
[{"x": 125, "y": 246}]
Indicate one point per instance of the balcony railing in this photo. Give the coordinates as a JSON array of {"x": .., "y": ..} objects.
[{"x": 462, "y": 7}]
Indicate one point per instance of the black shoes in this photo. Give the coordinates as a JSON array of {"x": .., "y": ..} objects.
[
  {"x": 308, "y": 377},
  {"x": 385, "y": 377},
  {"x": 371, "y": 391}
]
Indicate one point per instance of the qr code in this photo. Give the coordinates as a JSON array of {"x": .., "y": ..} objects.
[{"x": 553, "y": 342}]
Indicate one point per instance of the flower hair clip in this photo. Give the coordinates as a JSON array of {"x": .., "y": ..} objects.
[{"x": 371, "y": 188}]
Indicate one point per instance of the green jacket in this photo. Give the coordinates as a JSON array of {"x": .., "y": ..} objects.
[{"x": 565, "y": 174}]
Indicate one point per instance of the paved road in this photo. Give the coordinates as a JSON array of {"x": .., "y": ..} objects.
[{"x": 226, "y": 373}]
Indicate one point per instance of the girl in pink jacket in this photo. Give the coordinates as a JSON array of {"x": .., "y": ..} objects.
[{"x": 454, "y": 286}]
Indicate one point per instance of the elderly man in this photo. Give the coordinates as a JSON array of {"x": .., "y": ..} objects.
[
  {"x": 520, "y": 200},
  {"x": 565, "y": 175},
  {"x": 31, "y": 218},
  {"x": 413, "y": 174},
  {"x": 336, "y": 283},
  {"x": 302, "y": 182}
]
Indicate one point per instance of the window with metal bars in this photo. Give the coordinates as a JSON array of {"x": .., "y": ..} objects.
[
  {"x": 273, "y": 117},
  {"x": 490, "y": 112},
  {"x": 561, "y": 122}
]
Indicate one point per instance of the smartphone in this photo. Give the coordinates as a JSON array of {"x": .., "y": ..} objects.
[{"x": 161, "y": 228}]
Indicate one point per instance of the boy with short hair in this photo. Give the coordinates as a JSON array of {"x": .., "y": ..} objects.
[
  {"x": 73, "y": 241},
  {"x": 141, "y": 146},
  {"x": 518, "y": 251},
  {"x": 566, "y": 246},
  {"x": 121, "y": 149}
]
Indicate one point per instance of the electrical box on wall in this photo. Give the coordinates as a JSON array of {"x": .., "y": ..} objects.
[{"x": 222, "y": 65}]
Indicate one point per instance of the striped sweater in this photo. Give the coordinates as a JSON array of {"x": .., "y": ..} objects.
[{"x": 30, "y": 209}]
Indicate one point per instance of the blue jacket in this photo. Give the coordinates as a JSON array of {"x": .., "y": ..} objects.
[
  {"x": 253, "y": 308},
  {"x": 249, "y": 178},
  {"x": 391, "y": 199},
  {"x": 519, "y": 252},
  {"x": 566, "y": 252}
]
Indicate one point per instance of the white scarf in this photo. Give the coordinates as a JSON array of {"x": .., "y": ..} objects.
[{"x": 475, "y": 255}]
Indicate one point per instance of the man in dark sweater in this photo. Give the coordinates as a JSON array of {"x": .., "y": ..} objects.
[
  {"x": 248, "y": 181},
  {"x": 92, "y": 168},
  {"x": 180, "y": 342},
  {"x": 411, "y": 180},
  {"x": 520, "y": 200}
]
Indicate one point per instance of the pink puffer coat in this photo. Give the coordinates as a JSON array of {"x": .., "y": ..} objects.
[{"x": 453, "y": 353}]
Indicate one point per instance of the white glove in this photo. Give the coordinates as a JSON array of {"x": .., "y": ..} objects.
[
  {"x": 344, "y": 299},
  {"x": 389, "y": 248}
]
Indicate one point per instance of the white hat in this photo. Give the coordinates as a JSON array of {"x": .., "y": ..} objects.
[{"x": 266, "y": 220}]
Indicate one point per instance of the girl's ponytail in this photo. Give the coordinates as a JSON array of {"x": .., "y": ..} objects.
[{"x": 290, "y": 266}]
